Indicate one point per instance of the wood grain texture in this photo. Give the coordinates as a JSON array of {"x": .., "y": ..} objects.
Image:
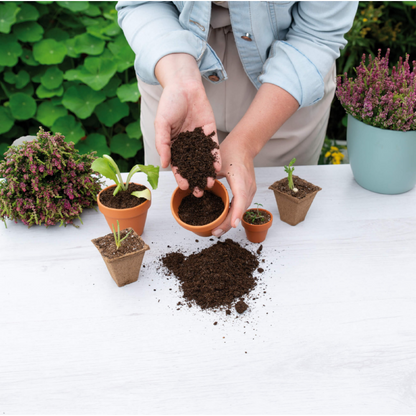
[{"x": 336, "y": 334}]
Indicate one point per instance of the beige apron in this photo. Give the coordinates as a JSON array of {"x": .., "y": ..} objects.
[{"x": 301, "y": 136}]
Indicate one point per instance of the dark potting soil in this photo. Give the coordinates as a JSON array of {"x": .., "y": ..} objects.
[
  {"x": 262, "y": 217},
  {"x": 304, "y": 187},
  {"x": 241, "y": 306},
  {"x": 216, "y": 276},
  {"x": 123, "y": 199},
  {"x": 108, "y": 247},
  {"x": 191, "y": 153},
  {"x": 200, "y": 211}
]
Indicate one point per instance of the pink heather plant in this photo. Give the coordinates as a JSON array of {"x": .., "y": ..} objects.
[
  {"x": 380, "y": 98},
  {"x": 46, "y": 182}
]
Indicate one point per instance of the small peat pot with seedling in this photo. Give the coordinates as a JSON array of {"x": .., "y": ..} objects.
[
  {"x": 256, "y": 222},
  {"x": 294, "y": 196},
  {"x": 123, "y": 253},
  {"x": 126, "y": 202}
]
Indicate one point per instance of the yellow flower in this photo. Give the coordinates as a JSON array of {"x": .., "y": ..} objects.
[
  {"x": 375, "y": 19},
  {"x": 327, "y": 154},
  {"x": 364, "y": 20},
  {"x": 334, "y": 149}
]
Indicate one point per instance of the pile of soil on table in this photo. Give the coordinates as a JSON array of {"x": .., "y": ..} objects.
[
  {"x": 304, "y": 188},
  {"x": 200, "y": 211},
  {"x": 191, "y": 153},
  {"x": 215, "y": 277},
  {"x": 262, "y": 219},
  {"x": 108, "y": 247},
  {"x": 123, "y": 199}
]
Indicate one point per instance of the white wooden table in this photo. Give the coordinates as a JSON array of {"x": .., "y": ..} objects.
[{"x": 337, "y": 333}]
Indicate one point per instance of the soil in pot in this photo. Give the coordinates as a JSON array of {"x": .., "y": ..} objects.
[
  {"x": 215, "y": 277},
  {"x": 264, "y": 219},
  {"x": 200, "y": 211},
  {"x": 191, "y": 153},
  {"x": 108, "y": 247},
  {"x": 304, "y": 187},
  {"x": 123, "y": 199}
]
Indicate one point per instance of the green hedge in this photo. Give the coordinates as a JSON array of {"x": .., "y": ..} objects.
[{"x": 66, "y": 66}]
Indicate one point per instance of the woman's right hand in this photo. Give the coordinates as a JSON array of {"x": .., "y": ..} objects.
[{"x": 183, "y": 106}]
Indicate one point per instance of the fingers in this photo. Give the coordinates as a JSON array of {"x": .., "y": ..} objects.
[
  {"x": 182, "y": 182},
  {"x": 163, "y": 139}
]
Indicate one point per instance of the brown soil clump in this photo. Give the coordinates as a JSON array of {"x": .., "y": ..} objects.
[
  {"x": 241, "y": 306},
  {"x": 131, "y": 244},
  {"x": 216, "y": 276},
  {"x": 200, "y": 211},
  {"x": 123, "y": 199},
  {"x": 191, "y": 153},
  {"x": 304, "y": 187}
]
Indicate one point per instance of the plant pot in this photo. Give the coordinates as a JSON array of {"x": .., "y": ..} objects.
[
  {"x": 201, "y": 230},
  {"x": 256, "y": 233},
  {"x": 382, "y": 161},
  {"x": 129, "y": 217},
  {"x": 292, "y": 210},
  {"x": 125, "y": 269}
]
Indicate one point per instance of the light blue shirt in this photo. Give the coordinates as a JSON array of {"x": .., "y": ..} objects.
[{"x": 293, "y": 44}]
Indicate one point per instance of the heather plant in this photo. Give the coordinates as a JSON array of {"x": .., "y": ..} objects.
[
  {"x": 380, "y": 97},
  {"x": 46, "y": 181}
]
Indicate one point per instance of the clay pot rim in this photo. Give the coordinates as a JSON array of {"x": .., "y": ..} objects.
[
  {"x": 292, "y": 198},
  {"x": 143, "y": 249},
  {"x": 205, "y": 227},
  {"x": 268, "y": 223},
  {"x": 127, "y": 210}
]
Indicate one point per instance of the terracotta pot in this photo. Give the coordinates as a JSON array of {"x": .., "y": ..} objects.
[
  {"x": 292, "y": 210},
  {"x": 202, "y": 230},
  {"x": 124, "y": 269},
  {"x": 128, "y": 217},
  {"x": 256, "y": 233}
]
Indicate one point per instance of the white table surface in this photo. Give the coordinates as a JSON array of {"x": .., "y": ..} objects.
[{"x": 337, "y": 333}]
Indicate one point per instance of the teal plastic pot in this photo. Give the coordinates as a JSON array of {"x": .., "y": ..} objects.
[{"x": 382, "y": 161}]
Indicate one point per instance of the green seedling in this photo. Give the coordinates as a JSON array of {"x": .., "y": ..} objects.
[
  {"x": 117, "y": 235},
  {"x": 254, "y": 215},
  {"x": 108, "y": 168},
  {"x": 289, "y": 170}
]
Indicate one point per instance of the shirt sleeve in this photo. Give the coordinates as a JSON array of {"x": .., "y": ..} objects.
[
  {"x": 299, "y": 63},
  {"x": 153, "y": 31}
]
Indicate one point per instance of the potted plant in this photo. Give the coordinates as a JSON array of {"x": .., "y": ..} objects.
[
  {"x": 46, "y": 182},
  {"x": 294, "y": 196},
  {"x": 256, "y": 222},
  {"x": 381, "y": 132},
  {"x": 125, "y": 202},
  {"x": 122, "y": 253}
]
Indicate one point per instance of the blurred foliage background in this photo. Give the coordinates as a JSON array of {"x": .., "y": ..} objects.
[{"x": 66, "y": 66}]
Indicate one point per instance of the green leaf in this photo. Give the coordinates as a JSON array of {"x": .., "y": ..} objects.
[
  {"x": 88, "y": 44},
  {"x": 152, "y": 173},
  {"x": 103, "y": 166},
  {"x": 110, "y": 89},
  {"x": 6, "y": 120},
  {"x": 97, "y": 72},
  {"x": 27, "y": 58},
  {"x": 122, "y": 53},
  {"x": 22, "y": 79},
  {"x": 134, "y": 130},
  {"x": 72, "y": 75},
  {"x": 93, "y": 142},
  {"x": 97, "y": 32},
  {"x": 143, "y": 194},
  {"x": 48, "y": 113},
  {"x": 92, "y": 11},
  {"x": 52, "y": 78},
  {"x": 28, "y": 31},
  {"x": 10, "y": 77},
  {"x": 27, "y": 89},
  {"x": 74, "y": 6},
  {"x": 128, "y": 92},
  {"x": 49, "y": 52},
  {"x": 38, "y": 72},
  {"x": 8, "y": 12},
  {"x": 124, "y": 146},
  {"x": 113, "y": 29},
  {"x": 27, "y": 13},
  {"x": 112, "y": 111},
  {"x": 10, "y": 50},
  {"x": 69, "y": 127},
  {"x": 22, "y": 106},
  {"x": 82, "y": 100},
  {"x": 59, "y": 35},
  {"x": 43, "y": 92},
  {"x": 70, "y": 46}
]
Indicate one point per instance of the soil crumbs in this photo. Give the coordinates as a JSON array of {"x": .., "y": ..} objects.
[
  {"x": 262, "y": 218},
  {"x": 216, "y": 276},
  {"x": 191, "y": 153},
  {"x": 304, "y": 188},
  {"x": 123, "y": 199},
  {"x": 108, "y": 247},
  {"x": 200, "y": 211}
]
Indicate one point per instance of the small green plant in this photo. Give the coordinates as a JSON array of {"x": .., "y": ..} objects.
[
  {"x": 289, "y": 170},
  {"x": 252, "y": 216},
  {"x": 108, "y": 168},
  {"x": 117, "y": 239}
]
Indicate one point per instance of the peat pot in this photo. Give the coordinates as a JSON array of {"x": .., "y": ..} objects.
[
  {"x": 382, "y": 161},
  {"x": 128, "y": 217},
  {"x": 256, "y": 233}
]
